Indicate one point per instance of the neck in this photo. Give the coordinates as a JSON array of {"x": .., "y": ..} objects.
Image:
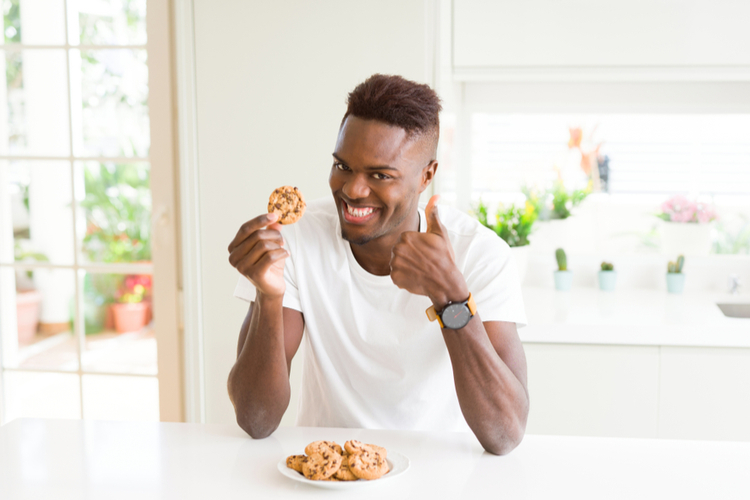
[{"x": 375, "y": 255}]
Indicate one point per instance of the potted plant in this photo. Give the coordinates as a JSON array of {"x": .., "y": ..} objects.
[
  {"x": 554, "y": 206},
  {"x": 675, "y": 278},
  {"x": 607, "y": 277},
  {"x": 563, "y": 277},
  {"x": 131, "y": 311},
  {"x": 513, "y": 224},
  {"x": 686, "y": 228},
  {"x": 28, "y": 299}
]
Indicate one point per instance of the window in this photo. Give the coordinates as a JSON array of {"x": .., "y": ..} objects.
[{"x": 76, "y": 197}]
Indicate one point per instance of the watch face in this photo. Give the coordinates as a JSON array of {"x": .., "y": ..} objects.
[{"x": 456, "y": 316}]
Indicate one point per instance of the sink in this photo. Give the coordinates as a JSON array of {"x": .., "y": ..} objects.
[{"x": 735, "y": 310}]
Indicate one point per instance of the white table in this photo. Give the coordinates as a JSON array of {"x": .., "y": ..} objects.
[{"x": 66, "y": 459}]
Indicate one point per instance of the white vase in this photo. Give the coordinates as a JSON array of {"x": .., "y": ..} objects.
[
  {"x": 685, "y": 238},
  {"x": 521, "y": 256}
]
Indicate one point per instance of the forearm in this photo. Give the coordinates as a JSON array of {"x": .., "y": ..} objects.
[
  {"x": 494, "y": 402},
  {"x": 259, "y": 381}
]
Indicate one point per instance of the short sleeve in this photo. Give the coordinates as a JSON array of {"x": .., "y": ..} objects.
[
  {"x": 246, "y": 291},
  {"x": 492, "y": 277}
]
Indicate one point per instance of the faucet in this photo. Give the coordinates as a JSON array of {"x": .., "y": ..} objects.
[{"x": 734, "y": 284}]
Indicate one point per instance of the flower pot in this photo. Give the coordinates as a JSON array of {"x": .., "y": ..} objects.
[
  {"x": 521, "y": 256},
  {"x": 686, "y": 238},
  {"x": 129, "y": 317},
  {"x": 675, "y": 282},
  {"x": 607, "y": 280},
  {"x": 28, "y": 308},
  {"x": 563, "y": 280}
]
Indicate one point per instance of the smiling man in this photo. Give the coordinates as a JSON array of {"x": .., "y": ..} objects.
[{"x": 408, "y": 315}]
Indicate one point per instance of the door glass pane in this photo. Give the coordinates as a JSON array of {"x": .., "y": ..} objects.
[
  {"x": 107, "y": 22},
  {"x": 108, "y": 397},
  {"x": 41, "y": 395},
  {"x": 114, "y": 203},
  {"x": 109, "y": 102},
  {"x": 119, "y": 324},
  {"x": 35, "y": 121},
  {"x": 37, "y": 195},
  {"x": 34, "y": 22},
  {"x": 37, "y": 319}
]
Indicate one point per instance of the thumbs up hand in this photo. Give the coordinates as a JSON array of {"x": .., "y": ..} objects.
[{"x": 424, "y": 263}]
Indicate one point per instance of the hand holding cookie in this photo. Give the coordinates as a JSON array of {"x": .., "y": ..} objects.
[{"x": 257, "y": 250}]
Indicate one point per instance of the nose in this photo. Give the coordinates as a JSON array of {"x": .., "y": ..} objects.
[{"x": 356, "y": 187}]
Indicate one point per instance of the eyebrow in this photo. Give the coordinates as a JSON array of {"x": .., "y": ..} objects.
[{"x": 371, "y": 167}]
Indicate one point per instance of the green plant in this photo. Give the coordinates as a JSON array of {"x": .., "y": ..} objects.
[
  {"x": 562, "y": 259},
  {"x": 607, "y": 266},
  {"x": 676, "y": 267},
  {"x": 118, "y": 211},
  {"x": 555, "y": 202},
  {"x": 24, "y": 254},
  {"x": 512, "y": 224}
]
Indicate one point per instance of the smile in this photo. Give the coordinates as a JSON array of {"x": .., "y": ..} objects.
[{"x": 358, "y": 215}]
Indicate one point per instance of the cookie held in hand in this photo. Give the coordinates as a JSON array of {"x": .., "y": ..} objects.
[{"x": 288, "y": 203}]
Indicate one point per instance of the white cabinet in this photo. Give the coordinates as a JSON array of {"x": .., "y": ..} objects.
[
  {"x": 600, "y": 33},
  {"x": 593, "y": 390},
  {"x": 635, "y": 391},
  {"x": 704, "y": 393}
]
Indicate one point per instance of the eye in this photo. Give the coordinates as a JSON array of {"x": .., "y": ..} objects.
[
  {"x": 381, "y": 177},
  {"x": 340, "y": 166}
]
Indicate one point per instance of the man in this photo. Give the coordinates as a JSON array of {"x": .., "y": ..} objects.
[{"x": 356, "y": 275}]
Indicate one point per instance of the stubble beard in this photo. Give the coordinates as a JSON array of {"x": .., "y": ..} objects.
[{"x": 364, "y": 239}]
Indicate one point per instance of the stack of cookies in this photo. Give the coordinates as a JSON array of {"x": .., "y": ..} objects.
[{"x": 327, "y": 461}]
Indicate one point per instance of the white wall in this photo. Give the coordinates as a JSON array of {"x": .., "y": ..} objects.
[{"x": 272, "y": 79}]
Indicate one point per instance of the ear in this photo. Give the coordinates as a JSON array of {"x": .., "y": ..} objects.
[{"x": 428, "y": 173}]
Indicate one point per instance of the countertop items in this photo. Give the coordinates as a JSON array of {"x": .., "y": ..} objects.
[
  {"x": 632, "y": 317},
  {"x": 73, "y": 459}
]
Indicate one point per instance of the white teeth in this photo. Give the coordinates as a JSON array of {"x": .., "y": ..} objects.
[{"x": 359, "y": 212}]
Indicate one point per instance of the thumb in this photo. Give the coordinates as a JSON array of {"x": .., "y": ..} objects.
[{"x": 431, "y": 214}]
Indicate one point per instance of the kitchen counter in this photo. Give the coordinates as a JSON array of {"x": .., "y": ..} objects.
[
  {"x": 632, "y": 317},
  {"x": 72, "y": 459}
]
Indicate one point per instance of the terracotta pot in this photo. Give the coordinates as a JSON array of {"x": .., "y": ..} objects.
[
  {"x": 129, "y": 317},
  {"x": 28, "y": 308}
]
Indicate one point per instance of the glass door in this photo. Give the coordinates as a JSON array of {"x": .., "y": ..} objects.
[{"x": 78, "y": 326}]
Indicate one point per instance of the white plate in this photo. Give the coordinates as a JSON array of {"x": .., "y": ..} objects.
[{"x": 397, "y": 463}]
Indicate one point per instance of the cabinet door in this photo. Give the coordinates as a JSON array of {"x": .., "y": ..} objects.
[
  {"x": 596, "y": 33},
  {"x": 705, "y": 393},
  {"x": 591, "y": 390}
]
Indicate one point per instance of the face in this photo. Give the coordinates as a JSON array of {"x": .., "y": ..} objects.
[{"x": 377, "y": 175}]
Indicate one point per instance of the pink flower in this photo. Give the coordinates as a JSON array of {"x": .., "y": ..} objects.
[{"x": 680, "y": 209}]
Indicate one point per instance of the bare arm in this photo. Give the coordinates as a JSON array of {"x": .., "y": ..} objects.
[
  {"x": 258, "y": 383},
  {"x": 489, "y": 371},
  {"x": 489, "y": 365}
]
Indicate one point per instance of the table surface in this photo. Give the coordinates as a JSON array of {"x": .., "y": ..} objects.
[{"x": 64, "y": 459}]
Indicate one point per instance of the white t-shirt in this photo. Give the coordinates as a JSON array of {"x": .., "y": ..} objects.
[{"x": 372, "y": 358}]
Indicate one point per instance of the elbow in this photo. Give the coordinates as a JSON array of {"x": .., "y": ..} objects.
[
  {"x": 508, "y": 435},
  {"x": 254, "y": 419},
  {"x": 254, "y": 428},
  {"x": 506, "y": 442}
]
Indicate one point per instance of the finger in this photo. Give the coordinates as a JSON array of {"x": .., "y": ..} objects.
[
  {"x": 258, "y": 250},
  {"x": 431, "y": 213},
  {"x": 241, "y": 250},
  {"x": 270, "y": 258},
  {"x": 250, "y": 227}
]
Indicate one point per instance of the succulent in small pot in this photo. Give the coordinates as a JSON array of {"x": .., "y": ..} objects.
[
  {"x": 563, "y": 277},
  {"x": 675, "y": 278},
  {"x": 607, "y": 277}
]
